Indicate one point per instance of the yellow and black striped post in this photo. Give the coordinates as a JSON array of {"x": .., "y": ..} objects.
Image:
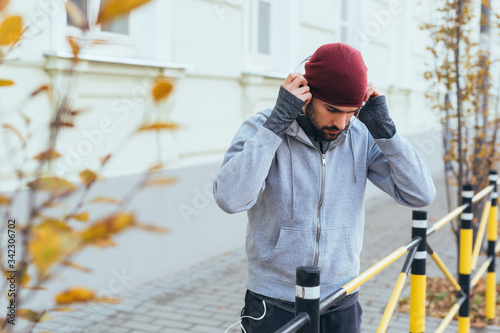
[
  {"x": 492, "y": 239},
  {"x": 418, "y": 278},
  {"x": 464, "y": 269}
]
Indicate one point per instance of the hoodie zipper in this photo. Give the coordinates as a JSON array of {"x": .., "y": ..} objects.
[{"x": 318, "y": 226}]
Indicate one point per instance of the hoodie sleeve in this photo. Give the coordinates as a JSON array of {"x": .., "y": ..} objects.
[
  {"x": 246, "y": 165},
  {"x": 395, "y": 167}
]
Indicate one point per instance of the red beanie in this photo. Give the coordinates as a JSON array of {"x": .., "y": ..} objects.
[{"x": 336, "y": 74}]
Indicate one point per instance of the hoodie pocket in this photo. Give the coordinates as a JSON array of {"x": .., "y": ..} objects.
[
  {"x": 336, "y": 258},
  {"x": 295, "y": 247}
]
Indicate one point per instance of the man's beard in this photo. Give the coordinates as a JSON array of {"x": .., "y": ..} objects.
[{"x": 321, "y": 131}]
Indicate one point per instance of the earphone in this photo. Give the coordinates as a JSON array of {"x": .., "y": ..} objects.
[
  {"x": 249, "y": 317},
  {"x": 306, "y": 59}
]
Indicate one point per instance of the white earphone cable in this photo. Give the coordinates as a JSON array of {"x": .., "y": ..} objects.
[
  {"x": 306, "y": 59},
  {"x": 249, "y": 317}
]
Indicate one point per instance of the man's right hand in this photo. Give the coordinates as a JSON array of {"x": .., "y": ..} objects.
[
  {"x": 293, "y": 96},
  {"x": 296, "y": 84}
]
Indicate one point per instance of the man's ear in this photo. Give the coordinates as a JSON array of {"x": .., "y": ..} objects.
[{"x": 304, "y": 108}]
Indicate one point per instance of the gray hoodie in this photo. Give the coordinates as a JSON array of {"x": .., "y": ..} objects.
[{"x": 307, "y": 208}]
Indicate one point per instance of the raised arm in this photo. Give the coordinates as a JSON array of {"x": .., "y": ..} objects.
[
  {"x": 246, "y": 164},
  {"x": 393, "y": 164}
]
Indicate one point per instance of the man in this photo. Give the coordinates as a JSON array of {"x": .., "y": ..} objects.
[{"x": 300, "y": 170}]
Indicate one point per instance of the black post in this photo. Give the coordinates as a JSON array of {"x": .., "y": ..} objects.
[
  {"x": 419, "y": 228},
  {"x": 307, "y": 296}
]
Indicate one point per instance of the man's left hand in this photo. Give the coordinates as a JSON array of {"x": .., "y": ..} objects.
[
  {"x": 375, "y": 114},
  {"x": 371, "y": 91}
]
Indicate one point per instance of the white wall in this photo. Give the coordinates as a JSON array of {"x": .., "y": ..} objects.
[{"x": 201, "y": 45}]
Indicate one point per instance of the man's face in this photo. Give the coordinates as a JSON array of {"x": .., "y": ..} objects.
[{"x": 328, "y": 122}]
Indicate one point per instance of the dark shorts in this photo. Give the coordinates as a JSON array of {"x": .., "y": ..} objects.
[{"x": 345, "y": 321}]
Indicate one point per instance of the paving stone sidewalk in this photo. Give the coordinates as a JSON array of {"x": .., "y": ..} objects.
[{"x": 208, "y": 297}]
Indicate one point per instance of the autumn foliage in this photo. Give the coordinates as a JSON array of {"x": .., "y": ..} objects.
[
  {"x": 462, "y": 93},
  {"x": 441, "y": 296},
  {"x": 48, "y": 242},
  {"x": 461, "y": 90}
]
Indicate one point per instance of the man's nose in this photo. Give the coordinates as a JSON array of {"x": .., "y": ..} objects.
[{"x": 340, "y": 121}]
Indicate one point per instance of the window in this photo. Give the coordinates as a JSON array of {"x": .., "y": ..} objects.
[
  {"x": 260, "y": 27},
  {"x": 269, "y": 35},
  {"x": 118, "y": 38},
  {"x": 120, "y": 25},
  {"x": 91, "y": 9},
  {"x": 128, "y": 38},
  {"x": 344, "y": 21}
]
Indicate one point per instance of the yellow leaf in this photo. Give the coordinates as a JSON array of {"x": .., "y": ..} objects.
[
  {"x": 13, "y": 129},
  {"x": 158, "y": 126},
  {"x": 152, "y": 228},
  {"x": 47, "y": 155},
  {"x": 35, "y": 287},
  {"x": 11, "y": 29},
  {"x": 27, "y": 120},
  {"x": 88, "y": 177},
  {"x": 75, "y": 295},
  {"x": 75, "y": 47},
  {"x": 3, "y": 4},
  {"x": 45, "y": 250},
  {"x": 105, "y": 199},
  {"x": 100, "y": 42},
  {"x": 75, "y": 113},
  {"x": 4, "y": 200},
  {"x": 110, "y": 300},
  {"x": 160, "y": 181},
  {"x": 104, "y": 159},
  {"x": 7, "y": 274},
  {"x": 103, "y": 242},
  {"x": 161, "y": 89},
  {"x": 44, "y": 88},
  {"x": 55, "y": 224},
  {"x": 6, "y": 83},
  {"x": 156, "y": 167},
  {"x": 6, "y": 293},
  {"x": 83, "y": 217},
  {"x": 108, "y": 226},
  {"x": 33, "y": 316},
  {"x": 62, "y": 309},
  {"x": 49, "y": 244},
  {"x": 115, "y": 8},
  {"x": 76, "y": 266},
  {"x": 54, "y": 185},
  {"x": 76, "y": 16},
  {"x": 23, "y": 277}
]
